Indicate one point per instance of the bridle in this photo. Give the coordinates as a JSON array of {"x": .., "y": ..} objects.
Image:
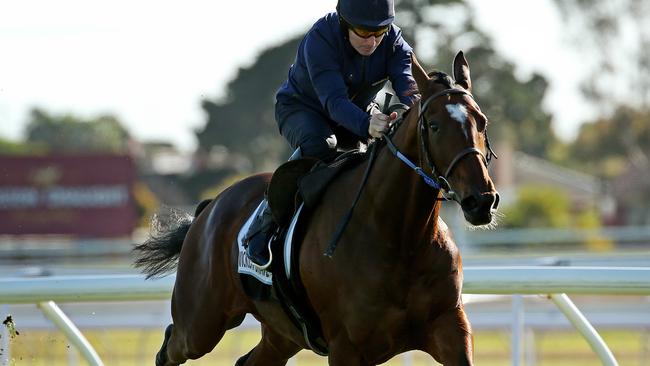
[{"x": 435, "y": 179}]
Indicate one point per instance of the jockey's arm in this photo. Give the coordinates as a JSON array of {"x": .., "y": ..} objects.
[
  {"x": 327, "y": 79},
  {"x": 400, "y": 74}
]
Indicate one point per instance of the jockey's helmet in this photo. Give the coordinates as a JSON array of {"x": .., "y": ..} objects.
[{"x": 367, "y": 14}]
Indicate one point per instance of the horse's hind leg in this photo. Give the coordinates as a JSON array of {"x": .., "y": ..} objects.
[
  {"x": 161, "y": 356},
  {"x": 450, "y": 340},
  {"x": 193, "y": 342},
  {"x": 273, "y": 350}
]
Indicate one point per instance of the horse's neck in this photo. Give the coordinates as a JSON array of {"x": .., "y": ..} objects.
[{"x": 399, "y": 195}]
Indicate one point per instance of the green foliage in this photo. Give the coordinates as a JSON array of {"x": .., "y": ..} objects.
[
  {"x": 245, "y": 121},
  {"x": 547, "y": 207},
  {"x": 68, "y": 133},
  {"x": 606, "y": 146},
  {"x": 600, "y": 26},
  {"x": 513, "y": 105},
  {"x": 8, "y": 147},
  {"x": 538, "y": 206},
  {"x": 417, "y": 16}
]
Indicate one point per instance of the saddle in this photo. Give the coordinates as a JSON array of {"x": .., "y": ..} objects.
[
  {"x": 305, "y": 181},
  {"x": 296, "y": 188}
]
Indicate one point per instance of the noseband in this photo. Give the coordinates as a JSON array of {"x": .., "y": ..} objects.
[{"x": 435, "y": 179}]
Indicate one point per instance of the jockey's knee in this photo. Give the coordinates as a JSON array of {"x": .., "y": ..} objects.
[{"x": 320, "y": 148}]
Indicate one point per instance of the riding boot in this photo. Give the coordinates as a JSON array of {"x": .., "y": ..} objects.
[
  {"x": 258, "y": 238},
  {"x": 258, "y": 248}
]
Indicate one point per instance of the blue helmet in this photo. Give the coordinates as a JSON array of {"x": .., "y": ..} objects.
[{"x": 367, "y": 14}]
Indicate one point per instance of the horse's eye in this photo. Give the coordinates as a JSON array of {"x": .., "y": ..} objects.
[{"x": 434, "y": 126}]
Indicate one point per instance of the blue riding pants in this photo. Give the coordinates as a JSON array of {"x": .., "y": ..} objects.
[{"x": 315, "y": 133}]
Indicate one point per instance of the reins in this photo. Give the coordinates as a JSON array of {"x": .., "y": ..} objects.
[{"x": 329, "y": 252}]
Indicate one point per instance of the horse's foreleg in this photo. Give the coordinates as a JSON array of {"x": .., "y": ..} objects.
[
  {"x": 273, "y": 350},
  {"x": 450, "y": 341}
]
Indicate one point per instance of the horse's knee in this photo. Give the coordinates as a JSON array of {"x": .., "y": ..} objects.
[{"x": 451, "y": 341}]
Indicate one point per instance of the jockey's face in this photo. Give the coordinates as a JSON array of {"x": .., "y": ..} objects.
[{"x": 365, "y": 46}]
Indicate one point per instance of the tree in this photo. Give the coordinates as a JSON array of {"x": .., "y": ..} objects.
[
  {"x": 512, "y": 104},
  {"x": 8, "y": 147},
  {"x": 546, "y": 207},
  {"x": 68, "y": 133},
  {"x": 607, "y": 146},
  {"x": 419, "y": 19},
  {"x": 616, "y": 35},
  {"x": 244, "y": 121}
]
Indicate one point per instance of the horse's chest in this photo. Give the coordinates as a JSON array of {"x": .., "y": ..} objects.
[{"x": 399, "y": 315}]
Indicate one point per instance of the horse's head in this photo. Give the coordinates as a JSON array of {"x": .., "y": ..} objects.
[{"x": 453, "y": 140}]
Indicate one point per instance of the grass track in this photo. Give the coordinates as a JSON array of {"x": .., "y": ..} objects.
[{"x": 128, "y": 347}]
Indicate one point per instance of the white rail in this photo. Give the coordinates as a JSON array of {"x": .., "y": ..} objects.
[
  {"x": 583, "y": 326},
  {"x": 555, "y": 281}
]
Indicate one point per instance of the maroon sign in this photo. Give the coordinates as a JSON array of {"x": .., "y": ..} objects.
[{"x": 78, "y": 195}]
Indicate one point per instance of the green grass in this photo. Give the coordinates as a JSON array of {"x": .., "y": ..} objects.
[{"x": 127, "y": 347}]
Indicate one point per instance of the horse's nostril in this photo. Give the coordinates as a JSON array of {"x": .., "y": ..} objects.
[
  {"x": 470, "y": 203},
  {"x": 495, "y": 205},
  {"x": 481, "y": 202}
]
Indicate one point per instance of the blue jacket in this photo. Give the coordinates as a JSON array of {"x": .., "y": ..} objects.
[{"x": 329, "y": 76}]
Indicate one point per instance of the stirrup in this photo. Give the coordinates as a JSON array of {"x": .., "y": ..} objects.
[{"x": 266, "y": 265}]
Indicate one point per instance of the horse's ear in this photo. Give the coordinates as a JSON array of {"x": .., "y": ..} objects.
[
  {"x": 420, "y": 76},
  {"x": 461, "y": 71}
]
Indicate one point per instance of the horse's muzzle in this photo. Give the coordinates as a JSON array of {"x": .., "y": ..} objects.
[{"x": 479, "y": 207}]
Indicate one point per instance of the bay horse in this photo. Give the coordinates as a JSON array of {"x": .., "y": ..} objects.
[{"x": 394, "y": 283}]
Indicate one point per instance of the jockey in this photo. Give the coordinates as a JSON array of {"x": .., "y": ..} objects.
[{"x": 326, "y": 103}]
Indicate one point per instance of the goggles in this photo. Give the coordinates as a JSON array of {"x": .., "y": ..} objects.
[{"x": 364, "y": 33}]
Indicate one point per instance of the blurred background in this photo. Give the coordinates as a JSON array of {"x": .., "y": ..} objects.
[{"x": 111, "y": 111}]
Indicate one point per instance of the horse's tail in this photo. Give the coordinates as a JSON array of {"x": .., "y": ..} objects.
[{"x": 158, "y": 255}]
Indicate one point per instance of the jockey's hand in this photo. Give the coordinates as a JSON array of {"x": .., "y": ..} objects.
[{"x": 379, "y": 122}]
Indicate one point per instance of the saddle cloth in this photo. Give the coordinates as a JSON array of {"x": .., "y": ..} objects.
[{"x": 246, "y": 267}]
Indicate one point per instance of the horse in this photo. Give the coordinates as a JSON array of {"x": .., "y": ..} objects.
[{"x": 394, "y": 283}]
